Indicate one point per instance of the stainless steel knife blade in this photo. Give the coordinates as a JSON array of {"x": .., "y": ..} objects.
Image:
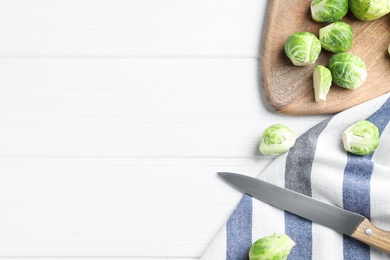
[{"x": 336, "y": 218}]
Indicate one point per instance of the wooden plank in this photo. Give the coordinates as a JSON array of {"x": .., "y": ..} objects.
[
  {"x": 133, "y": 108},
  {"x": 113, "y": 28},
  {"x": 115, "y": 207}
]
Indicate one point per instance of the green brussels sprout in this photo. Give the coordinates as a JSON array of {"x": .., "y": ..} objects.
[
  {"x": 328, "y": 10},
  {"x": 303, "y": 48},
  {"x": 271, "y": 248},
  {"x": 336, "y": 37},
  {"x": 368, "y": 10},
  {"x": 348, "y": 70},
  {"x": 361, "y": 138},
  {"x": 322, "y": 80},
  {"x": 277, "y": 139}
]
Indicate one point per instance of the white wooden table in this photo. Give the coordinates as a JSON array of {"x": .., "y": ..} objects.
[{"x": 115, "y": 116}]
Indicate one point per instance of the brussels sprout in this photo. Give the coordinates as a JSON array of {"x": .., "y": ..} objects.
[
  {"x": 336, "y": 37},
  {"x": 388, "y": 49},
  {"x": 328, "y": 10},
  {"x": 348, "y": 70},
  {"x": 271, "y": 247},
  {"x": 302, "y": 48},
  {"x": 322, "y": 80},
  {"x": 361, "y": 138},
  {"x": 277, "y": 139},
  {"x": 367, "y": 10}
]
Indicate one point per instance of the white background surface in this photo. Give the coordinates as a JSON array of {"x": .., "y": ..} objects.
[{"x": 115, "y": 116}]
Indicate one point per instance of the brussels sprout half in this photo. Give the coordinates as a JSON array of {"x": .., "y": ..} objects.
[
  {"x": 303, "y": 48},
  {"x": 368, "y": 10},
  {"x": 322, "y": 80},
  {"x": 336, "y": 37},
  {"x": 348, "y": 70},
  {"x": 328, "y": 10},
  {"x": 276, "y": 246},
  {"x": 361, "y": 138},
  {"x": 277, "y": 139}
]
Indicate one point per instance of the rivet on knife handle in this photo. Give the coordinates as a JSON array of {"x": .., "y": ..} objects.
[{"x": 372, "y": 235}]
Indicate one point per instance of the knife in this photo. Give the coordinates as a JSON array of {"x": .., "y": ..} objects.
[{"x": 336, "y": 218}]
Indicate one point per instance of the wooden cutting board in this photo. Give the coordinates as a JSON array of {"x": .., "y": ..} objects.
[{"x": 288, "y": 89}]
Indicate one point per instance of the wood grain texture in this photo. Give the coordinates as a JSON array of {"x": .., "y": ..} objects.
[
  {"x": 288, "y": 88},
  {"x": 372, "y": 235}
]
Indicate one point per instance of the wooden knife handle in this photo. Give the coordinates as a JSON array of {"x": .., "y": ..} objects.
[{"x": 373, "y": 236}]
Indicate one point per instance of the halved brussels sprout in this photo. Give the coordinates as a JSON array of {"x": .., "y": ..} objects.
[
  {"x": 348, "y": 70},
  {"x": 276, "y": 246},
  {"x": 328, "y": 10},
  {"x": 303, "y": 48},
  {"x": 368, "y": 10},
  {"x": 336, "y": 37},
  {"x": 361, "y": 138},
  {"x": 322, "y": 80},
  {"x": 277, "y": 139}
]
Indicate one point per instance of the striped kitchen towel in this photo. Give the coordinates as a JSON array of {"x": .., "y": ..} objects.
[{"x": 319, "y": 167}]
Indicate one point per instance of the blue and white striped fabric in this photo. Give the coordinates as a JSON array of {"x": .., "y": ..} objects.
[{"x": 319, "y": 167}]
